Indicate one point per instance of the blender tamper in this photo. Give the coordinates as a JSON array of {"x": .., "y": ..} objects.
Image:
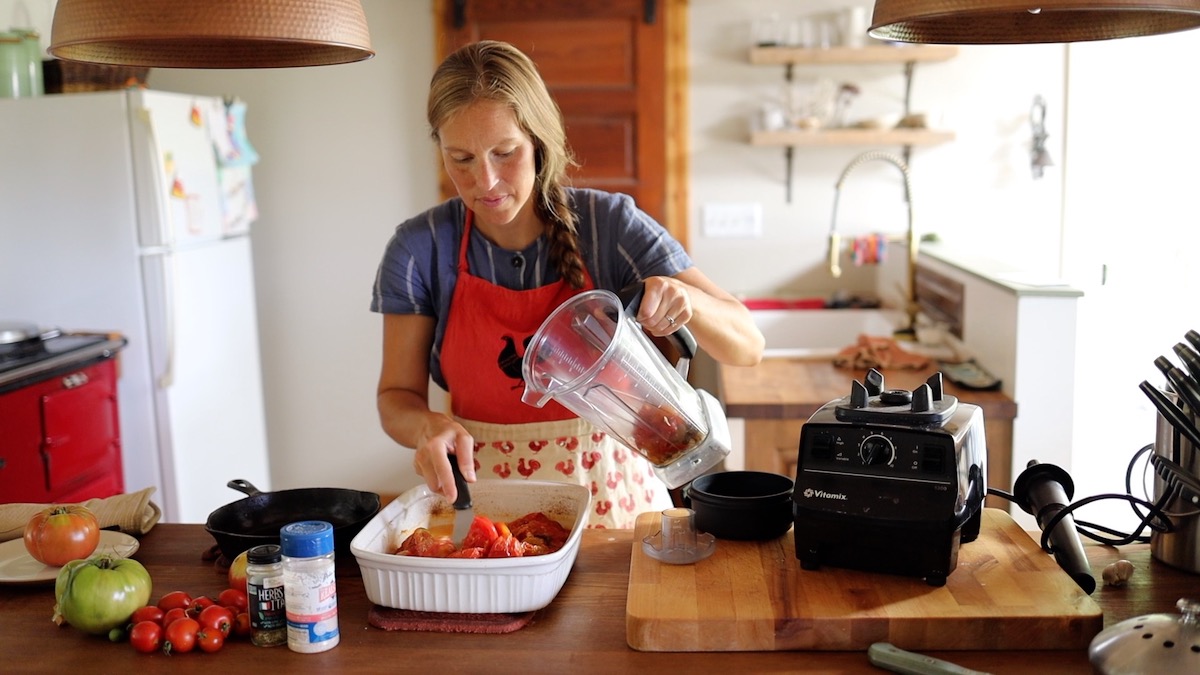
[{"x": 1043, "y": 490}]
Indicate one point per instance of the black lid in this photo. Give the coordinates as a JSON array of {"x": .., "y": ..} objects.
[{"x": 265, "y": 554}]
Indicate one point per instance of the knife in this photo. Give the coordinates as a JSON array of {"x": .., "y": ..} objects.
[
  {"x": 1172, "y": 412},
  {"x": 464, "y": 513}
]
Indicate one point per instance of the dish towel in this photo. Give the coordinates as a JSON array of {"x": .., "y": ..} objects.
[
  {"x": 131, "y": 513},
  {"x": 878, "y": 352}
]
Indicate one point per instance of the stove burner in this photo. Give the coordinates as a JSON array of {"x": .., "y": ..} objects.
[{"x": 33, "y": 359}]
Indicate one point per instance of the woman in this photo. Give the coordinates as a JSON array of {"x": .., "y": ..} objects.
[{"x": 463, "y": 285}]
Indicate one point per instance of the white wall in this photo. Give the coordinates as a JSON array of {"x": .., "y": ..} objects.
[{"x": 976, "y": 189}]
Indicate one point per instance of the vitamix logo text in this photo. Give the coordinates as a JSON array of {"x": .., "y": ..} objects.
[{"x": 809, "y": 493}]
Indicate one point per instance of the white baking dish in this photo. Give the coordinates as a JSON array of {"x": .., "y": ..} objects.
[{"x": 496, "y": 585}]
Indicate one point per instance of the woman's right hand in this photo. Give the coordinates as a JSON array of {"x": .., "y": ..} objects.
[{"x": 441, "y": 441}]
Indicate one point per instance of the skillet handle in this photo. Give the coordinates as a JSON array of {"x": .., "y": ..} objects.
[{"x": 243, "y": 486}]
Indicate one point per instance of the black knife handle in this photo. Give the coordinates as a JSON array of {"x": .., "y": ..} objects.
[
  {"x": 1191, "y": 360},
  {"x": 1172, "y": 412},
  {"x": 460, "y": 484}
]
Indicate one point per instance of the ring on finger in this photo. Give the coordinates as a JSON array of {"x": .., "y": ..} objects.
[{"x": 671, "y": 320}]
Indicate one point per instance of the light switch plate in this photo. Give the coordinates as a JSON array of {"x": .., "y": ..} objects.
[{"x": 732, "y": 220}]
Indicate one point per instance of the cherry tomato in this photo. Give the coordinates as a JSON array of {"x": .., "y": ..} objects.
[
  {"x": 217, "y": 619},
  {"x": 209, "y": 641},
  {"x": 232, "y": 597},
  {"x": 61, "y": 533},
  {"x": 181, "y": 636},
  {"x": 174, "y": 599},
  {"x": 147, "y": 613},
  {"x": 146, "y": 636},
  {"x": 173, "y": 615},
  {"x": 241, "y": 625},
  {"x": 198, "y": 605}
]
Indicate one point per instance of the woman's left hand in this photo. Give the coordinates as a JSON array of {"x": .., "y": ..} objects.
[{"x": 666, "y": 306}]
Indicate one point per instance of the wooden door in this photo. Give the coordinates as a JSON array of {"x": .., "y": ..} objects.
[{"x": 606, "y": 63}]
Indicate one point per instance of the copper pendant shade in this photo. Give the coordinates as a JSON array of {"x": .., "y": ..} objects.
[
  {"x": 211, "y": 33},
  {"x": 968, "y": 22}
]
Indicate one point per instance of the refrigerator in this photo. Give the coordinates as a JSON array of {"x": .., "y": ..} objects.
[{"x": 129, "y": 211}]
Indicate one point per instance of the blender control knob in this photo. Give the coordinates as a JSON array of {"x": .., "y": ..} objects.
[{"x": 876, "y": 450}]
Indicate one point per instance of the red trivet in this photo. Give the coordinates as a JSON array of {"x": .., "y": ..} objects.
[{"x": 446, "y": 622}]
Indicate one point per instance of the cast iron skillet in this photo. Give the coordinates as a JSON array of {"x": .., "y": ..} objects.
[{"x": 255, "y": 520}]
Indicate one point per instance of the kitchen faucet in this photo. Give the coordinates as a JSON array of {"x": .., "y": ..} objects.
[{"x": 910, "y": 239}]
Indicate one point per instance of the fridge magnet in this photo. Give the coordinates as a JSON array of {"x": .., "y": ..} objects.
[{"x": 197, "y": 117}]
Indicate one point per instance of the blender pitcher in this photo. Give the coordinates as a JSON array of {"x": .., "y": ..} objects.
[{"x": 592, "y": 356}]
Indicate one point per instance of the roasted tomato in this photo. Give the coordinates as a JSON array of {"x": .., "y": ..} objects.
[
  {"x": 505, "y": 545},
  {"x": 482, "y": 533},
  {"x": 423, "y": 544},
  {"x": 540, "y": 533}
]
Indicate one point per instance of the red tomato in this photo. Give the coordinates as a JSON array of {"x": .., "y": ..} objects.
[
  {"x": 209, "y": 641},
  {"x": 61, "y": 533},
  {"x": 423, "y": 544},
  {"x": 181, "y": 636},
  {"x": 481, "y": 535},
  {"x": 232, "y": 597},
  {"x": 173, "y": 615},
  {"x": 241, "y": 625},
  {"x": 146, "y": 636},
  {"x": 174, "y": 599},
  {"x": 198, "y": 605},
  {"x": 217, "y": 619},
  {"x": 505, "y": 547},
  {"x": 147, "y": 613}
]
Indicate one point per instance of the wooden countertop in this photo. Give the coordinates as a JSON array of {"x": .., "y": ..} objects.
[
  {"x": 582, "y": 631},
  {"x": 794, "y": 388}
]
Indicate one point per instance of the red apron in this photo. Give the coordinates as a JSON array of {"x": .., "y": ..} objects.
[
  {"x": 486, "y": 333},
  {"x": 484, "y": 343}
]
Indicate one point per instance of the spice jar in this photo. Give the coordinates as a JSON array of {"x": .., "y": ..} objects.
[
  {"x": 264, "y": 590},
  {"x": 309, "y": 586}
]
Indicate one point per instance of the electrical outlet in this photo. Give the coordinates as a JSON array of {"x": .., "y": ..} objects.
[{"x": 732, "y": 220}]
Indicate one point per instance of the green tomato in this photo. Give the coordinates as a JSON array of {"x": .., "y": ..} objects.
[{"x": 100, "y": 593}]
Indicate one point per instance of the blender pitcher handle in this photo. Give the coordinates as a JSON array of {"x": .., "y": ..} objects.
[{"x": 682, "y": 340}]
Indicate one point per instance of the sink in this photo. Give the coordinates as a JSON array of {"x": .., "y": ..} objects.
[{"x": 818, "y": 333}]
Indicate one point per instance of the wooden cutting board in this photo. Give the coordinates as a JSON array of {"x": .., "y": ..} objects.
[{"x": 1006, "y": 593}]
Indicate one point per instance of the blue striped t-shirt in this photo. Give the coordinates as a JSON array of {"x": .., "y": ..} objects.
[{"x": 620, "y": 244}]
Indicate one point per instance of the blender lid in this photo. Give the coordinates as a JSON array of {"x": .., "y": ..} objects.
[{"x": 1155, "y": 643}]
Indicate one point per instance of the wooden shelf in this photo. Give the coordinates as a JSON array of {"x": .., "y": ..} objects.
[
  {"x": 851, "y": 55},
  {"x": 837, "y": 137}
]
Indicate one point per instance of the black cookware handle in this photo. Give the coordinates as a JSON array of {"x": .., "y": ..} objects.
[
  {"x": 682, "y": 339},
  {"x": 244, "y": 486}
]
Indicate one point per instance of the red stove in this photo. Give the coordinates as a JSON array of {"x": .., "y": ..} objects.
[{"x": 59, "y": 431}]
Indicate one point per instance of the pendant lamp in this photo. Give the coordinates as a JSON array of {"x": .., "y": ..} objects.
[
  {"x": 210, "y": 33},
  {"x": 968, "y": 22}
]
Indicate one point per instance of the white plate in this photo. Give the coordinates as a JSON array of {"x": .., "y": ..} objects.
[{"x": 18, "y": 567}]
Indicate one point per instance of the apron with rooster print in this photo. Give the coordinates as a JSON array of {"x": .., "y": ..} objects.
[{"x": 486, "y": 332}]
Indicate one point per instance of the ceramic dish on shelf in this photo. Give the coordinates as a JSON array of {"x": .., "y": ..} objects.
[
  {"x": 486, "y": 586},
  {"x": 18, "y": 567}
]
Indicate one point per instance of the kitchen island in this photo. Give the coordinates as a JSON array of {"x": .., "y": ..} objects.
[{"x": 582, "y": 631}]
